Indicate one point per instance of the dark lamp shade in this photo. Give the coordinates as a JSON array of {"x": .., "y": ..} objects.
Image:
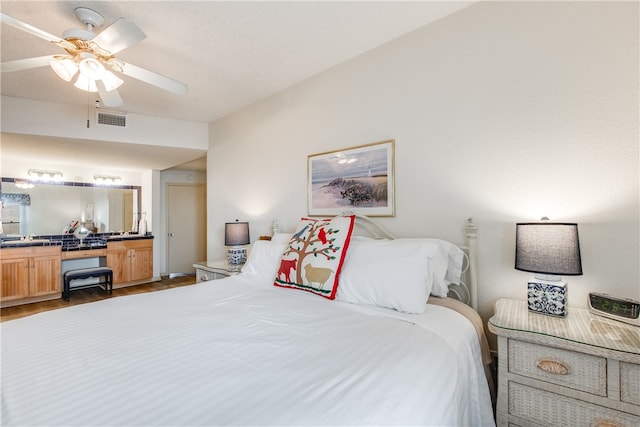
[
  {"x": 236, "y": 233},
  {"x": 548, "y": 248}
]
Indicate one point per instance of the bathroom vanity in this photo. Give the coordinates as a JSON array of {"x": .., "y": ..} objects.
[{"x": 31, "y": 270}]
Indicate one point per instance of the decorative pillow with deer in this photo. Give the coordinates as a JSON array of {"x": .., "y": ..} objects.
[{"x": 315, "y": 254}]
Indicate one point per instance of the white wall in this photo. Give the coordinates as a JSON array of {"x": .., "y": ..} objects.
[{"x": 504, "y": 112}]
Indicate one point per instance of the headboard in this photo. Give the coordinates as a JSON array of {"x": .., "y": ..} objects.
[{"x": 467, "y": 290}]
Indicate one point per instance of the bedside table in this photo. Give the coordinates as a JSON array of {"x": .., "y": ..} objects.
[
  {"x": 213, "y": 270},
  {"x": 579, "y": 370}
]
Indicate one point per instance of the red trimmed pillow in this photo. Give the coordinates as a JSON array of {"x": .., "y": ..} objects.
[{"x": 314, "y": 256}]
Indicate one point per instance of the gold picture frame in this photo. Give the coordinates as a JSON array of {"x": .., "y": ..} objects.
[{"x": 357, "y": 179}]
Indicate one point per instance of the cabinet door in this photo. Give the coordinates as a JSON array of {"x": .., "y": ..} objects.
[
  {"x": 141, "y": 263},
  {"x": 118, "y": 260},
  {"x": 14, "y": 278},
  {"x": 45, "y": 275}
]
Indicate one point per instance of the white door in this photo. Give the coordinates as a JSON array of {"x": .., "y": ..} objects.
[{"x": 187, "y": 227}]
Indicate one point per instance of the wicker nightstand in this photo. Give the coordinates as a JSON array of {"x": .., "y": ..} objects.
[
  {"x": 213, "y": 270},
  {"x": 579, "y": 370}
]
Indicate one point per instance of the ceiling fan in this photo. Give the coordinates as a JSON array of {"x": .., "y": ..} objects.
[{"x": 90, "y": 57}]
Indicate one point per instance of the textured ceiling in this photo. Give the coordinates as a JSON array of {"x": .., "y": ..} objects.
[{"x": 229, "y": 53}]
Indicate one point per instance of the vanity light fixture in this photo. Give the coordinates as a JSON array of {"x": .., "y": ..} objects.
[
  {"x": 45, "y": 175},
  {"x": 107, "y": 179},
  {"x": 23, "y": 184}
]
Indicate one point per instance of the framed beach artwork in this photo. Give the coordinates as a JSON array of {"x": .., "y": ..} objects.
[{"x": 358, "y": 179}]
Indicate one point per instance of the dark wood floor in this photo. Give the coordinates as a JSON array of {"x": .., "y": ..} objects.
[{"x": 83, "y": 296}]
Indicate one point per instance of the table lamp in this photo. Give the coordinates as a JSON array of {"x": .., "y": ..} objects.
[
  {"x": 236, "y": 234},
  {"x": 549, "y": 249}
]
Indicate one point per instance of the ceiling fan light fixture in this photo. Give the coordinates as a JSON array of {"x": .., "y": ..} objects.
[
  {"x": 111, "y": 81},
  {"x": 65, "y": 68},
  {"x": 92, "y": 68},
  {"x": 85, "y": 83}
]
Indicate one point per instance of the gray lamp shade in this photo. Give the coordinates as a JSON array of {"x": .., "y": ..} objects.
[
  {"x": 236, "y": 233},
  {"x": 548, "y": 248}
]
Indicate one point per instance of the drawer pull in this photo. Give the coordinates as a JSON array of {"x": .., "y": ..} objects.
[
  {"x": 603, "y": 422},
  {"x": 554, "y": 367}
]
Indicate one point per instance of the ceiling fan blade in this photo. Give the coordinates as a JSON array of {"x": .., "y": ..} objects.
[
  {"x": 109, "y": 99},
  {"x": 9, "y": 20},
  {"x": 154, "y": 79},
  {"x": 27, "y": 63},
  {"x": 119, "y": 36}
]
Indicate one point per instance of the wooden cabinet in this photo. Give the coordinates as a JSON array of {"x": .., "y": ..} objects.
[
  {"x": 30, "y": 272},
  {"x": 130, "y": 260},
  {"x": 579, "y": 370}
]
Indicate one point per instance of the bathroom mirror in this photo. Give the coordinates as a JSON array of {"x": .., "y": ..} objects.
[{"x": 48, "y": 208}]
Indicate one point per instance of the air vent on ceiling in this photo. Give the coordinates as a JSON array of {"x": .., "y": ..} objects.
[{"x": 110, "y": 118}]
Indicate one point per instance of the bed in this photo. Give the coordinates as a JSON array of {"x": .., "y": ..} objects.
[{"x": 241, "y": 351}]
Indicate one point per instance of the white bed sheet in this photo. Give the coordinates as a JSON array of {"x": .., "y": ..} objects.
[{"x": 239, "y": 351}]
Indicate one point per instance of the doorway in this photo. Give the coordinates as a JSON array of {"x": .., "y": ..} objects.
[{"x": 186, "y": 227}]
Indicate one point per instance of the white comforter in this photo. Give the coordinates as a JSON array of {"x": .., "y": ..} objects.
[{"x": 239, "y": 351}]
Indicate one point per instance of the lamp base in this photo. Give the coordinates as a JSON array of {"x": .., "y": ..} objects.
[
  {"x": 237, "y": 256},
  {"x": 547, "y": 297}
]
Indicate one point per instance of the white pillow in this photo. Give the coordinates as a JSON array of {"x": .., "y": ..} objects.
[
  {"x": 447, "y": 266},
  {"x": 281, "y": 237},
  {"x": 388, "y": 273},
  {"x": 264, "y": 258}
]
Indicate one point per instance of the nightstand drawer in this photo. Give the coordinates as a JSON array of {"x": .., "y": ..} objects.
[
  {"x": 215, "y": 269},
  {"x": 563, "y": 367},
  {"x": 203, "y": 275},
  {"x": 552, "y": 409},
  {"x": 630, "y": 383}
]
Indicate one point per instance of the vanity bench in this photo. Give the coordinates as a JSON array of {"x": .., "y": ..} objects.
[{"x": 87, "y": 273}]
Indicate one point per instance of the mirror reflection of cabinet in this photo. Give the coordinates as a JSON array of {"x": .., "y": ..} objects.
[{"x": 11, "y": 221}]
